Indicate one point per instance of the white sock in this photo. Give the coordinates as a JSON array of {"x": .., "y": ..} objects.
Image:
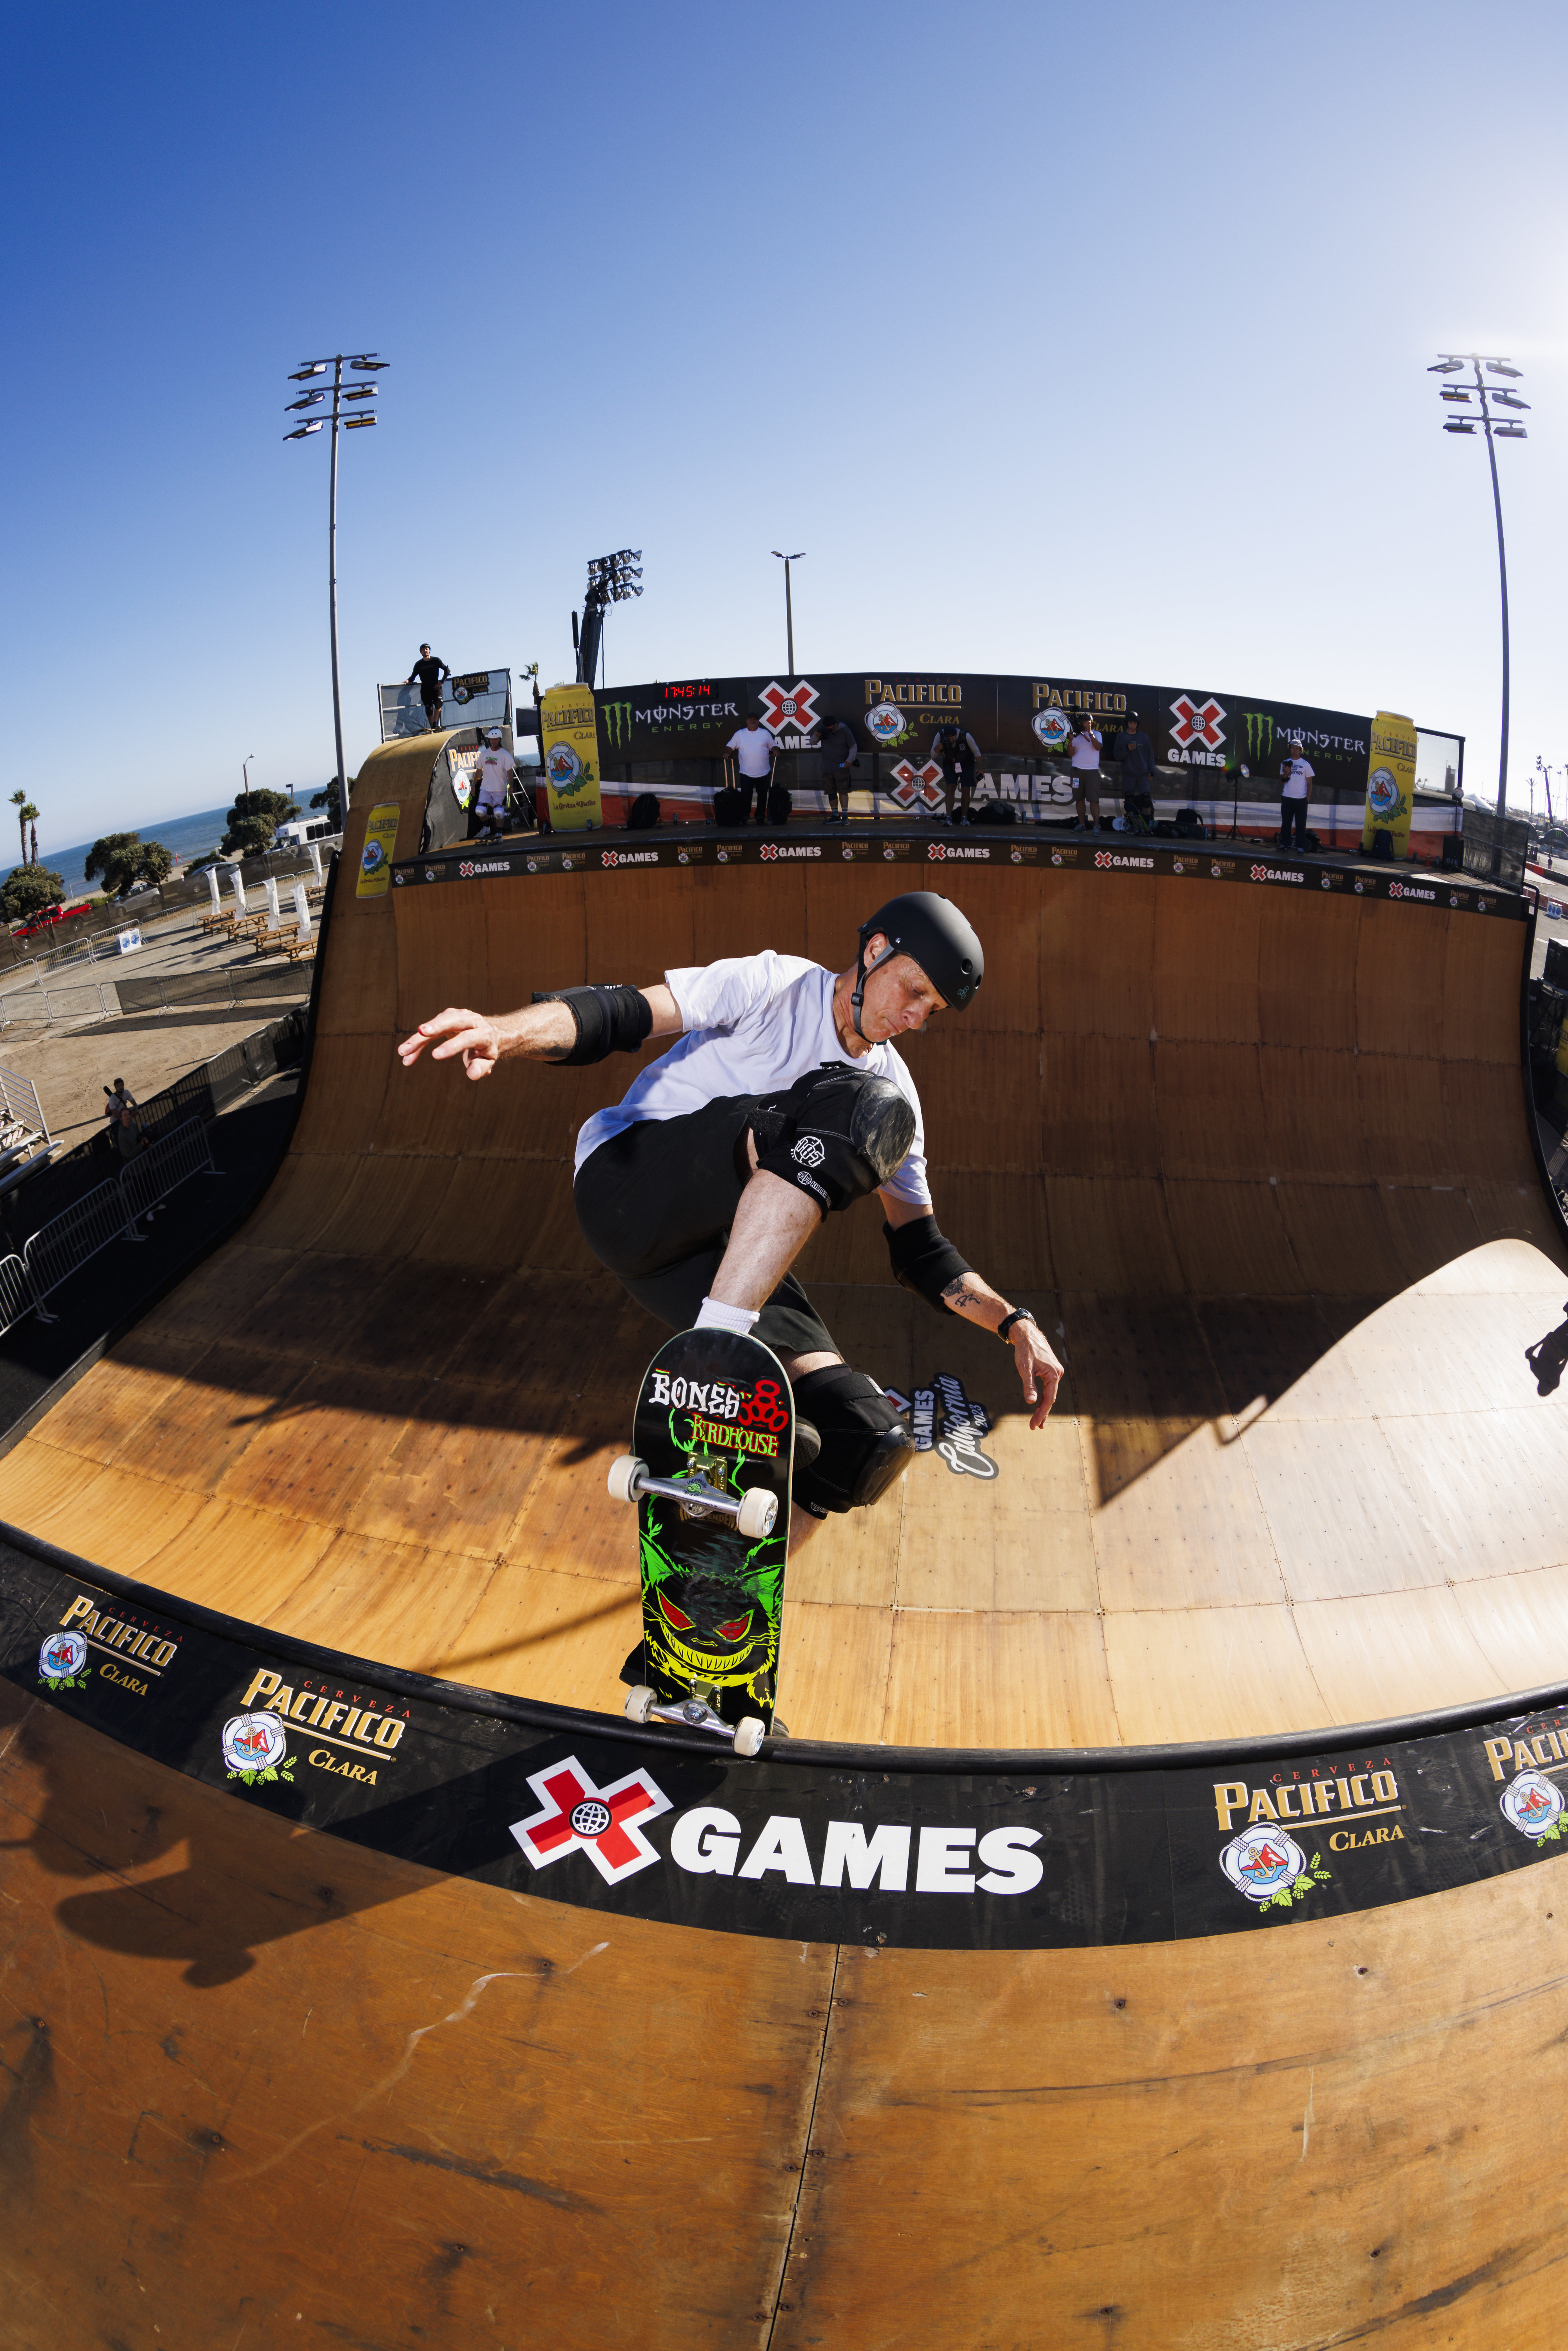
[{"x": 714, "y": 1317}]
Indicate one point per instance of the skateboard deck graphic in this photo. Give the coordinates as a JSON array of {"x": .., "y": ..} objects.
[{"x": 715, "y": 1429}]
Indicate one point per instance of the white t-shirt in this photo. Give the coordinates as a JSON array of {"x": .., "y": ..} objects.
[
  {"x": 753, "y": 746},
  {"x": 1085, "y": 749},
  {"x": 494, "y": 772},
  {"x": 1298, "y": 775},
  {"x": 753, "y": 1025}
]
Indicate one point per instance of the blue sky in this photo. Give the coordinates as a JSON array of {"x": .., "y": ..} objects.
[{"x": 1089, "y": 341}]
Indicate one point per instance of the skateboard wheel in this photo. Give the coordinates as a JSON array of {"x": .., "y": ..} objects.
[
  {"x": 749, "y": 1733},
  {"x": 758, "y": 1511},
  {"x": 639, "y": 1703},
  {"x": 624, "y": 1472}
]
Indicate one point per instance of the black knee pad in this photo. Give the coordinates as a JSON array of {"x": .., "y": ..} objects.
[
  {"x": 864, "y": 1445},
  {"x": 836, "y": 1133}
]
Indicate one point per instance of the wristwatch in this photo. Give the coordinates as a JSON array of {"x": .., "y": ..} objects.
[{"x": 1018, "y": 1314}]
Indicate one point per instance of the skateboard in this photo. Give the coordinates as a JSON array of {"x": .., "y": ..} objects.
[{"x": 715, "y": 1450}]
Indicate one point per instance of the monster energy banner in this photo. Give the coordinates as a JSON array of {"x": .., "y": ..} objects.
[{"x": 900, "y": 713}]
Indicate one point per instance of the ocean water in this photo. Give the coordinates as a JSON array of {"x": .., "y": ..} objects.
[{"x": 184, "y": 836}]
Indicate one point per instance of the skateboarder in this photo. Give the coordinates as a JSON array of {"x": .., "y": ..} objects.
[
  {"x": 494, "y": 776},
  {"x": 782, "y": 1103}
]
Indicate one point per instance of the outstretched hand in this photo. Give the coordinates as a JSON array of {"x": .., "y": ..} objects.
[
  {"x": 453, "y": 1032},
  {"x": 1039, "y": 1372}
]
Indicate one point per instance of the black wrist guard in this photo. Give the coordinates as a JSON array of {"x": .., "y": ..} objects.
[
  {"x": 922, "y": 1260},
  {"x": 609, "y": 1021}
]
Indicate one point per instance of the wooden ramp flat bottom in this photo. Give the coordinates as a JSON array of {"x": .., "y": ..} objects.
[
  {"x": 1263, "y": 1166},
  {"x": 267, "y": 2088}
]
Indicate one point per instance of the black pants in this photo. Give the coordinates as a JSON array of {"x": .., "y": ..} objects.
[
  {"x": 748, "y": 785},
  {"x": 654, "y": 1204},
  {"x": 433, "y": 713},
  {"x": 1293, "y": 812}
]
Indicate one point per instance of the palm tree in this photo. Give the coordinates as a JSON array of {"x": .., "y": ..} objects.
[
  {"x": 29, "y": 816},
  {"x": 19, "y": 801},
  {"x": 33, "y": 814}
]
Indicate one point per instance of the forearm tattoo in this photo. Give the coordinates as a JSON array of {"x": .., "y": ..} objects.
[{"x": 962, "y": 1293}]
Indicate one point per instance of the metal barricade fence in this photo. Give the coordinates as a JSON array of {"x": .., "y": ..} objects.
[
  {"x": 16, "y": 1296},
  {"x": 57, "y": 1249},
  {"x": 164, "y": 1164},
  {"x": 65, "y": 1245}
]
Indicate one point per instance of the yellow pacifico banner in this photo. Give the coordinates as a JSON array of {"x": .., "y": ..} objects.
[
  {"x": 1390, "y": 781},
  {"x": 569, "y": 746},
  {"x": 376, "y": 857}
]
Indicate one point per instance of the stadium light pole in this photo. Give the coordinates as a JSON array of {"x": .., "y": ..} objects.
[
  {"x": 1456, "y": 396},
  {"x": 788, "y": 608},
  {"x": 245, "y": 777},
  {"x": 358, "y": 363}
]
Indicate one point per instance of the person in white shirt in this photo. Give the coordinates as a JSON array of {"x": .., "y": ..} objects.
[
  {"x": 1086, "y": 748},
  {"x": 754, "y": 747},
  {"x": 1295, "y": 792},
  {"x": 494, "y": 777},
  {"x": 782, "y": 1102}
]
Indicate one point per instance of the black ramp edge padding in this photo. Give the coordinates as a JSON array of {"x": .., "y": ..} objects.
[{"x": 921, "y": 1849}]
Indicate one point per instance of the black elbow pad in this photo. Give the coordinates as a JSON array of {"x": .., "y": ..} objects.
[
  {"x": 923, "y": 1261},
  {"x": 609, "y": 1021}
]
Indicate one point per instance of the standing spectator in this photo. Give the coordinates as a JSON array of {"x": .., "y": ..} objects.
[
  {"x": 1295, "y": 792},
  {"x": 1137, "y": 755},
  {"x": 429, "y": 668},
  {"x": 1087, "y": 745},
  {"x": 961, "y": 759},
  {"x": 115, "y": 1100},
  {"x": 839, "y": 752},
  {"x": 126, "y": 1130},
  {"x": 754, "y": 748}
]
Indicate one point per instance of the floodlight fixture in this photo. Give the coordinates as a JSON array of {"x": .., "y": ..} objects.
[
  {"x": 367, "y": 363},
  {"x": 357, "y": 391},
  {"x": 1445, "y": 366},
  {"x": 312, "y": 367},
  {"x": 357, "y": 423},
  {"x": 1511, "y": 433},
  {"x": 303, "y": 432},
  {"x": 1452, "y": 392},
  {"x": 1508, "y": 400},
  {"x": 308, "y": 400},
  {"x": 1459, "y": 424},
  {"x": 1501, "y": 367}
]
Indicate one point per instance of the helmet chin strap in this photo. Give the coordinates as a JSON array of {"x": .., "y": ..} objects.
[{"x": 863, "y": 973}]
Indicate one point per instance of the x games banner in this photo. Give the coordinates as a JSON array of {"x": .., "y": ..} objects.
[{"x": 899, "y": 712}]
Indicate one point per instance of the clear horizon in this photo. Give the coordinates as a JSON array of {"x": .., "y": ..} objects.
[{"x": 1090, "y": 342}]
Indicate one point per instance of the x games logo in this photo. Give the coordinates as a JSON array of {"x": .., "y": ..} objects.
[{"x": 602, "y": 1823}]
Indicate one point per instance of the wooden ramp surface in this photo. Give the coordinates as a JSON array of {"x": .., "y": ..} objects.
[
  {"x": 1260, "y": 1163},
  {"x": 1264, "y": 1168}
]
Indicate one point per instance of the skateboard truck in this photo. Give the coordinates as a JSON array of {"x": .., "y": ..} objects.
[
  {"x": 698, "y": 1712},
  {"x": 755, "y": 1513}
]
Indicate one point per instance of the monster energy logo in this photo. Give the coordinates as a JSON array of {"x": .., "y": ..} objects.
[
  {"x": 1259, "y": 734},
  {"x": 617, "y": 719}
]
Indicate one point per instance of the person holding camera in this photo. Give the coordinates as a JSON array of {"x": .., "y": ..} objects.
[{"x": 1295, "y": 793}]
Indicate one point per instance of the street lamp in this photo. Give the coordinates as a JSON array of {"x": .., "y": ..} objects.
[
  {"x": 245, "y": 779},
  {"x": 1486, "y": 398},
  {"x": 788, "y": 609},
  {"x": 611, "y": 580},
  {"x": 343, "y": 399}
]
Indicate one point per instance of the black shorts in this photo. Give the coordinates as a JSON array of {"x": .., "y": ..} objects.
[{"x": 654, "y": 1204}]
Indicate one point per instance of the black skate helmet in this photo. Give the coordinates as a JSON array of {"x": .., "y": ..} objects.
[{"x": 930, "y": 930}]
